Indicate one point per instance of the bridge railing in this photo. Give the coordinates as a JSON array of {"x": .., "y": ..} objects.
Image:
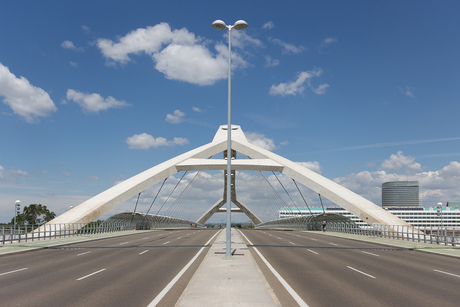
[
  {"x": 24, "y": 233},
  {"x": 432, "y": 235}
]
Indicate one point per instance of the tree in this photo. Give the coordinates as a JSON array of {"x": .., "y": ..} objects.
[{"x": 34, "y": 214}]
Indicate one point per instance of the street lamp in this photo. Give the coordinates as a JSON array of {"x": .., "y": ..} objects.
[
  {"x": 17, "y": 210},
  {"x": 440, "y": 214},
  {"x": 220, "y": 25}
]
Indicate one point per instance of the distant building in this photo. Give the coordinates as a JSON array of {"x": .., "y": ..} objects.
[
  {"x": 400, "y": 194},
  {"x": 416, "y": 216}
]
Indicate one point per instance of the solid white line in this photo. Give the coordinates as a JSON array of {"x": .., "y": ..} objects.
[
  {"x": 312, "y": 251},
  {"x": 166, "y": 242},
  {"x": 360, "y": 272},
  {"x": 179, "y": 275},
  {"x": 143, "y": 252},
  {"x": 371, "y": 254},
  {"x": 91, "y": 274},
  {"x": 291, "y": 291},
  {"x": 446, "y": 273},
  {"x": 84, "y": 253},
  {"x": 13, "y": 271}
]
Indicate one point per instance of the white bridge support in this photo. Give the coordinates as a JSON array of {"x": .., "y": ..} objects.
[{"x": 198, "y": 159}]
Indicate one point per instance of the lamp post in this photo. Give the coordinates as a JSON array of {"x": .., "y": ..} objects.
[
  {"x": 440, "y": 213},
  {"x": 220, "y": 25},
  {"x": 17, "y": 210}
]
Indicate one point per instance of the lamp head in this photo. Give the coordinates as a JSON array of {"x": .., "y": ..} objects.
[
  {"x": 219, "y": 25},
  {"x": 240, "y": 25}
]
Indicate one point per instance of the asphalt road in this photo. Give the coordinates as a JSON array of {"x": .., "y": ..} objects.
[
  {"x": 330, "y": 271},
  {"x": 122, "y": 271}
]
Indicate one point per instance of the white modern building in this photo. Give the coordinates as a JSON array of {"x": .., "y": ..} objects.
[{"x": 416, "y": 216}]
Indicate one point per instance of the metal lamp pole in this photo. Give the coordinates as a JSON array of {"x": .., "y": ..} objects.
[
  {"x": 440, "y": 209},
  {"x": 220, "y": 25}
]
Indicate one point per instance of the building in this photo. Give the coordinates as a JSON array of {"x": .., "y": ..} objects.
[
  {"x": 400, "y": 194},
  {"x": 416, "y": 216}
]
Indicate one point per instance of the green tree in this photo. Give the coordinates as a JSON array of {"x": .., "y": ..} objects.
[{"x": 34, "y": 214}]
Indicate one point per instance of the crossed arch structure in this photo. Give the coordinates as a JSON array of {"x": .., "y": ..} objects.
[{"x": 198, "y": 159}]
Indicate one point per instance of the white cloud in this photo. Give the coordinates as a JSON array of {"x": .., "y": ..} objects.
[
  {"x": 326, "y": 42},
  {"x": 26, "y": 100},
  {"x": 312, "y": 165},
  {"x": 196, "y": 109},
  {"x": 268, "y": 25},
  {"x": 298, "y": 86},
  {"x": 178, "y": 54},
  {"x": 69, "y": 45},
  {"x": 408, "y": 91},
  {"x": 286, "y": 47},
  {"x": 399, "y": 161},
  {"x": 260, "y": 140},
  {"x": 271, "y": 62},
  {"x": 94, "y": 102},
  {"x": 145, "y": 141},
  {"x": 176, "y": 118},
  {"x": 74, "y": 64},
  {"x": 11, "y": 174},
  {"x": 241, "y": 39}
]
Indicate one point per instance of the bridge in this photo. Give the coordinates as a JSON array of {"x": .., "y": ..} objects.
[{"x": 170, "y": 262}]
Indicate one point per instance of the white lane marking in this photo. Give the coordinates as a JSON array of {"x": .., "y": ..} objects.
[
  {"x": 447, "y": 273},
  {"x": 179, "y": 238},
  {"x": 333, "y": 244},
  {"x": 188, "y": 234},
  {"x": 145, "y": 238},
  {"x": 292, "y": 243},
  {"x": 84, "y": 253},
  {"x": 312, "y": 251},
  {"x": 13, "y": 271},
  {"x": 360, "y": 272},
  {"x": 371, "y": 254},
  {"x": 91, "y": 274},
  {"x": 314, "y": 239},
  {"x": 298, "y": 236},
  {"x": 270, "y": 235},
  {"x": 123, "y": 243},
  {"x": 160, "y": 296},
  {"x": 279, "y": 238},
  {"x": 166, "y": 242},
  {"x": 291, "y": 291},
  {"x": 143, "y": 252}
]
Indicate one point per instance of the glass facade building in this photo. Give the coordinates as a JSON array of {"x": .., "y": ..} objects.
[{"x": 400, "y": 194}]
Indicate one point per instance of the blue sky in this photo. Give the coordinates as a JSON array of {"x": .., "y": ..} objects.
[{"x": 94, "y": 92}]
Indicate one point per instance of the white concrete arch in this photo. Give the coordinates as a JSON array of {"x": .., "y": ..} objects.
[{"x": 198, "y": 159}]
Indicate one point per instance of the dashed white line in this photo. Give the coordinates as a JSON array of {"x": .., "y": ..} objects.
[
  {"x": 145, "y": 238},
  {"x": 371, "y": 254},
  {"x": 314, "y": 239},
  {"x": 123, "y": 243},
  {"x": 333, "y": 244},
  {"x": 447, "y": 273},
  {"x": 166, "y": 242},
  {"x": 292, "y": 243},
  {"x": 143, "y": 252},
  {"x": 179, "y": 238},
  {"x": 312, "y": 251},
  {"x": 13, "y": 271},
  {"x": 279, "y": 238},
  {"x": 84, "y": 253},
  {"x": 91, "y": 274},
  {"x": 360, "y": 272},
  {"x": 270, "y": 235}
]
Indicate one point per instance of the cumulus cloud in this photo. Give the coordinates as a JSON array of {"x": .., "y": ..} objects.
[
  {"x": 26, "y": 100},
  {"x": 298, "y": 85},
  {"x": 268, "y": 25},
  {"x": 196, "y": 109},
  {"x": 269, "y": 62},
  {"x": 94, "y": 102},
  {"x": 312, "y": 165},
  {"x": 399, "y": 161},
  {"x": 326, "y": 42},
  {"x": 286, "y": 47},
  {"x": 145, "y": 141},
  {"x": 69, "y": 45},
  {"x": 178, "y": 54},
  {"x": 260, "y": 140},
  {"x": 175, "y": 118},
  {"x": 408, "y": 91}
]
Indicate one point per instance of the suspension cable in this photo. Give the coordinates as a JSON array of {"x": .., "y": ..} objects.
[
  {"x": 302, "y": 197},
  {"x": 321, "y": 203},
  {"x": 287, "y": 192},
  {"x": 143, "y": 219},
  {"x": 134, "y": 212}
]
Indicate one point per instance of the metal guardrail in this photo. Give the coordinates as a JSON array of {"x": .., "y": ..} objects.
[
  {"x": 24, "y": 233},
  {"x": 432, "y": 235}
]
